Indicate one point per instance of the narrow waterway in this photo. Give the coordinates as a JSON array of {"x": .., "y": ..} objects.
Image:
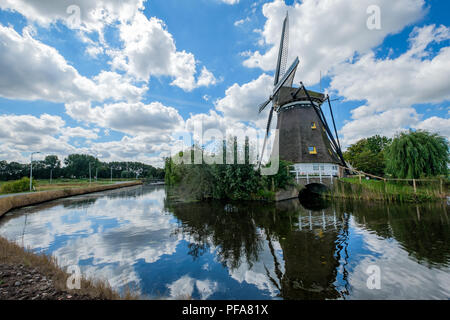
[{"x": 135, "y": 238}]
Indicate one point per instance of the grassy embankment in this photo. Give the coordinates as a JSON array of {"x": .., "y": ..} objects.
[
  {"x": 11, "y": 253},
  {"x": 390, "y": 191},
  {"x": 60, "y": 184},
  {"x": 33, "y": 198}
]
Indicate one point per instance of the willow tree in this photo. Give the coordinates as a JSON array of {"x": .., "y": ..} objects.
[{"x": 417, "y": 154}]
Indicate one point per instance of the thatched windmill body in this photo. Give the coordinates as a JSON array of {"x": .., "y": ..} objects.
[{"x": 304, "y": 136}]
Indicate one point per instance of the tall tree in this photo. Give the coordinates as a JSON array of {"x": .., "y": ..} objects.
[
  {"x": 78, "y": 165},
  {"x": 368, "y": 154},
  {"x": 417, "y": 154},
  {"x": 51, "y": 162}
]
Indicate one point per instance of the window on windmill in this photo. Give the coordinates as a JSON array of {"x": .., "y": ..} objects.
[
  {"x": 312, "y": 150},
  {"x": 313, "y": 125}
]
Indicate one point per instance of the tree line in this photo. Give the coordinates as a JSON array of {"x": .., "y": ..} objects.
[
  {"x": 409, "y": 155},
  {"x": 76, "y": 166}
]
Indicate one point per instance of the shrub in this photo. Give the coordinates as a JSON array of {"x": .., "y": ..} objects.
[
  {"x": 17, "y": 186},
  {"x": 226, "y": 181}
]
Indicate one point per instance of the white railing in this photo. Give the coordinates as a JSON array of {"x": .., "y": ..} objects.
[{"x": 321, "y": 175}]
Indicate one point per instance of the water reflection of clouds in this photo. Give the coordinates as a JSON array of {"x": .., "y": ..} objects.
[
  {"x": 39, "y": 230},
  {"x": 401, "y": 276},
  {"x": 137, "y": 228},
  {"x": 135, "y": 241},
  {"x": 184, "y": 287}
]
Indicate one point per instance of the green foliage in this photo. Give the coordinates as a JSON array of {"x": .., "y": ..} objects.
[
  {"x": 235, "y": 181},
  {"x": 77, "y": 165},
  {"x": 173, "y": 172},
  {"x": 266, "y": 194},
  {"x": 282, "y": 179},
  {"x": 13, "y": 170},
  {"x": 368, "y": 155},
  {"x": 417, "y": 154},
  {"x": 52, "y": 162},
  {"x": 127, "y": 175},
  {"x": 228, "y": 180},
  {"x": 18, "y": 186},
  {"x": 377, "y": 143}
]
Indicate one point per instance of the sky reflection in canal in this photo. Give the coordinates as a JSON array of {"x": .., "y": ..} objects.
[{"x": 135, "y": 238}]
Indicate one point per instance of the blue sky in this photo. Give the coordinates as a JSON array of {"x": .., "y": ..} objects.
[{"x": 121, "y": 78}]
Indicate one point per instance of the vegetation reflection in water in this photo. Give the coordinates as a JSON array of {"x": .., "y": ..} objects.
[{"x": 245, "y": 250}]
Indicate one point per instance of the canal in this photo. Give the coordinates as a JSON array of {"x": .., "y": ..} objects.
[{"x": 135, "y": 238}]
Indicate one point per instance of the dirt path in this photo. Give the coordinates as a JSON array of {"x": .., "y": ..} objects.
[{"x": 18, "y": 282}]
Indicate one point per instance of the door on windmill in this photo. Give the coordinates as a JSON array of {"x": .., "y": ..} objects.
[{"x": 312, "y": 169}]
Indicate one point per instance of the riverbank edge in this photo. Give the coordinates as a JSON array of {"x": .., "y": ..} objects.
[
  {"x": 23, "y": 200},
  {"x": 19, "y": 259}
]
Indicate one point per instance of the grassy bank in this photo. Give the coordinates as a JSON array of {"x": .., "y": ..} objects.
[
  {"x": 45, "y": 185},
  {"x": 390, "y": 191},
  {"x": 60, "y": 184},
  {"x": 11, "y": 253},
  {"x": 32, "y": 198}
]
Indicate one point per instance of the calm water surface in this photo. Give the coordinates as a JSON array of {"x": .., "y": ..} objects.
[{"x": 216, "y": 250}]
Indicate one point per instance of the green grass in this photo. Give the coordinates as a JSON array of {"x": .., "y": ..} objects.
[
  {"x": 57, "y": 184},
  {"x": 391, "y": 191}
]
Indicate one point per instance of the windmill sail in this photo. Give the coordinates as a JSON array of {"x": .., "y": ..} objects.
[
  {"x": 290, "y": 80},
  {"x": 283, "y": 51},
  {"x": 281, "y": 83}
]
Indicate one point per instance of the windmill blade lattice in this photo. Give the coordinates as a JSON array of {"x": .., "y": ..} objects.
[{"x": 283, "y": 52}]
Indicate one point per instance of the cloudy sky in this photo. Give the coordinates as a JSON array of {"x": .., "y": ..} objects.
[{"x": 118, "y": 78}]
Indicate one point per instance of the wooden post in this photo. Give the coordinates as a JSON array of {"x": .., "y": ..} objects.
[
  {"x": 385, "y": 186},
  {"x": 414, "y": 185},
  {"x": 360, "y": 179},
  {"x": 441, "y": 189}
]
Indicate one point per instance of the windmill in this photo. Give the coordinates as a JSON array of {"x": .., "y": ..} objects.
[{"x": 304, "y": 136}]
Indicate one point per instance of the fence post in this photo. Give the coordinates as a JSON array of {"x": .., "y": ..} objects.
[
  {"x": 385, "y": 186},
  {"x": 441, "y": 189},
  {"x": 360, "y": 179},
  {"x": 414, "y": 185}
]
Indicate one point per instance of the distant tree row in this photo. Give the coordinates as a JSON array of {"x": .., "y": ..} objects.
[
  {"x": 77, "y": 166},
  {"x": 412, "y": 154}
]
